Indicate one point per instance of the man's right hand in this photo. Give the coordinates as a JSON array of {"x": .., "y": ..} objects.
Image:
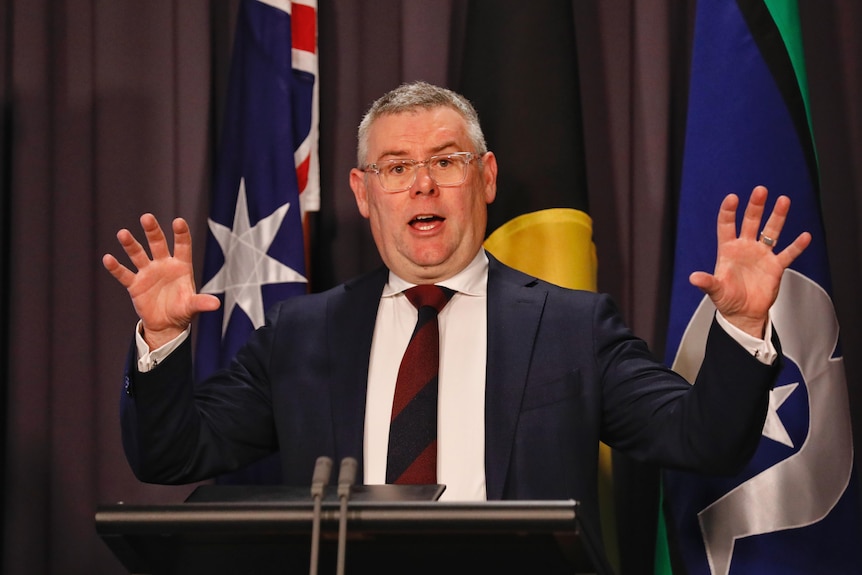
[{"x": 163, "y": 289}]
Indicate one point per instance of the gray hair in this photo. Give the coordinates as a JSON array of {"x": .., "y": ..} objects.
[{"x": 414, "y": 96}]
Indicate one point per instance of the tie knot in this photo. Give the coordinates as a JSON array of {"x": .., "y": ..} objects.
[{"x": 429, "y": 295}]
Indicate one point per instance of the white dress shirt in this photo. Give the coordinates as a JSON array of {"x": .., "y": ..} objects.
[{"x": 461, "y": 380}]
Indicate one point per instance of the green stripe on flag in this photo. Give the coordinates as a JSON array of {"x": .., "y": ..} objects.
[{"x": 786, "y": 16}]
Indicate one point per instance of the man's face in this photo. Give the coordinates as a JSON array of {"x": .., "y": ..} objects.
[{"x": 427, "y": 233}]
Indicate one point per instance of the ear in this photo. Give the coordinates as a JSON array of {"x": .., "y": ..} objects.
[
  {"x": 360, "y": 191},
  {"x": 489, "y": 176}
]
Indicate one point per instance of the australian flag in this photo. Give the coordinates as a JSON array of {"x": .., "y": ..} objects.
[
  {"x": 266, "y": 179},
  {"x": 794, "y": 509}
]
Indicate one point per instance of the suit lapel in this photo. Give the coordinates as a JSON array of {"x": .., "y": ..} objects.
[
  {"x": 515, "y": 307},
  {"x": 350, "y": 319}
]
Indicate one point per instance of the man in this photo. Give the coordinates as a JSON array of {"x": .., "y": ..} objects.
[{"x": 531, "y": 376}]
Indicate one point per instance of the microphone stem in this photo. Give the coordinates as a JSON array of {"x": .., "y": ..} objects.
[
  {"x": 342, "y": 536},
  {"x": 346, "y": 478},
  {"x": 315, "y": 536},
  {"x": 319, "y": 479}
]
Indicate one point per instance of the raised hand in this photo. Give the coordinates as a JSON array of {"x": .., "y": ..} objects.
[
  {"x": 163, "y": 289},
  {"x": 748, "y": 272}
]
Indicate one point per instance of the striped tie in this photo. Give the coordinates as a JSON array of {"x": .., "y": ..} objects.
[{"x": 413, "y": 428}]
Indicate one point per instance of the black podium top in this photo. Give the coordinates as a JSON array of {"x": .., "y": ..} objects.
[{"x": 263, "y": 530}]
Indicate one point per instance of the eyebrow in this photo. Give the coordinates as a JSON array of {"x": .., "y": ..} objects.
[{"x": 403, "y": 153}]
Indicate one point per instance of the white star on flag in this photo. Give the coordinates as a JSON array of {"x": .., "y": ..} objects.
[
  {"x": 773, "y": 427},
  {"x": 246, "y": 264}
]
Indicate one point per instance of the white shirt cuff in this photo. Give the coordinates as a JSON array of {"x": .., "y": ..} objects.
[
  {"x": 761, "y": 349},
  {"x": 147, "y": 359}
]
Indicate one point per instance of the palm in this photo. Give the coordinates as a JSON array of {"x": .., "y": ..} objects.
[
  {"x": 162, "y": 293},
  {"x": 747, "y": 280}
]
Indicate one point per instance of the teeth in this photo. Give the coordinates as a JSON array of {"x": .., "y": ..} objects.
[{"x": 424, "y": 222}]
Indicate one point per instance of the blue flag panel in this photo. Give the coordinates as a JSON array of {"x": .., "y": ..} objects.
[
  {"x": 255, "y": 251},
  {"x": 794, "y": 509}
]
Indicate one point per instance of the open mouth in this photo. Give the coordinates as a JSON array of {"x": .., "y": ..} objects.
[{"x": 425, "y": 222}]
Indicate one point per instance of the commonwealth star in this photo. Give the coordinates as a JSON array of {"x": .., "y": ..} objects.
[{"x": 246, "y": 264}]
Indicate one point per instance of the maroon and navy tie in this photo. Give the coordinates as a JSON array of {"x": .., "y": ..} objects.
[{"x": 413, "y": 428}]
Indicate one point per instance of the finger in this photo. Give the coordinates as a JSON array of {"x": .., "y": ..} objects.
[
  {"x": 182, "y": 240},
  {"x": 773, "y": 226},
  {"x": 791, "y": 252},
  {"x": 726, "y": 224},
  {"x": 123, "y": 274},
  {"x": 155, "y": 237},
  {"x": 133, "y": 249},
  {"x": 753, "y": 214}
]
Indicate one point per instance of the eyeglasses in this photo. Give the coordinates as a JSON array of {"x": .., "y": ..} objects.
[{"x": 399, "y": 175}]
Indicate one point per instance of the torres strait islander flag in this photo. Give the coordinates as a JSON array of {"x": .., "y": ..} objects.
[
  {"x": 266, "y": 176},
  {"x": 794, "y": 508}
]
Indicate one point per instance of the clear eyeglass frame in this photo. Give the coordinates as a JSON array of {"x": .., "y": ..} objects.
[{"x": 399, "y": 174}]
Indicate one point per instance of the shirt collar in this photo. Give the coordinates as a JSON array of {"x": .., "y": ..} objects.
[{"x": 472, "y": 280}]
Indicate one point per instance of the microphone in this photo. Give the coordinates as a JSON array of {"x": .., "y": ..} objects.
[
  {"x": 319, "y": 479},
  {"x": 346, "y": 476},
  {"x": 346, "y": 479}
]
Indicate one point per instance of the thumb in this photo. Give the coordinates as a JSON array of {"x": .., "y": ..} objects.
[
  {"x": 204, "y": 302},
  {"x": 706, "y": 282}
]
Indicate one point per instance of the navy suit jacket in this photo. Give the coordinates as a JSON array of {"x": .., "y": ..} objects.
[{"x": 563, "y": 372}]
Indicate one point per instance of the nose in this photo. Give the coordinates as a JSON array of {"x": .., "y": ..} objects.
[{"x": 424, "y": 183}]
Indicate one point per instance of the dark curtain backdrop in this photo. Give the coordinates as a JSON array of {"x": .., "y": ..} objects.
[{"x": 111, "y": 108}]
